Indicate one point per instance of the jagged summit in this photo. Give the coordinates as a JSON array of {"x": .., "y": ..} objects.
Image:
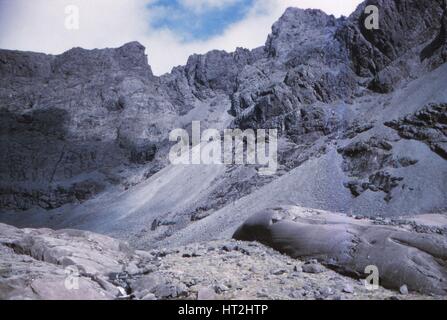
[
  {"x": 76, "y": 61},
  {"x": 298, "y": 27},
  {"x": 305, "y": 18}
]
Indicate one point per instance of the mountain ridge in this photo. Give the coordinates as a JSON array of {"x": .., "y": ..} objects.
[{"x": 92, "y": 124}]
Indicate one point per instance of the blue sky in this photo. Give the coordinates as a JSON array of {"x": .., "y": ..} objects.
[{"x": 191, "y": 23}]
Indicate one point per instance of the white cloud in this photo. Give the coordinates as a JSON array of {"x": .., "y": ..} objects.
[
  {"x": 203, "y": 5},
  {"x": 38, "y": 25}
]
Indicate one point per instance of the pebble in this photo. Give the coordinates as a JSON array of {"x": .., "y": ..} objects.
[
  {"x": 149, "y": 296},
  {"x": 182, "y": 289},
  {"x": 229, "y": 247},
  {"x": 220, "y": 288},
  {"x": 262, "y": 294},
  {"x": 324, "y": 292},
  {"x": 403, "y": 290},
  {"x": 206, "y": 294},
  {"x": 278, "y": 272},
  {"x": 252, "y": 269},
  {"x": 348, "y": 289},
  {"x": 165, "y": 291},
  {"x": 307, "y": 288},
  {"x": 133, "y": 269},
  {"x": 297, "y": 269},
  {"x": 122, "y": 291},
  {"x": 313, "y": 268}
]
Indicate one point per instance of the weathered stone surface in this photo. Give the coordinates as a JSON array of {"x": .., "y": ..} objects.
[
  {"x": 349, "y": 247},
  {"x": 428, "y": 125},
  {"x": 403, "y": 26},
  {"x": 77, "y": 117},
  {"x": 65, "y": 264},
  {"x": 360, "y": 115},
  {"x": 46, "y": 264}
]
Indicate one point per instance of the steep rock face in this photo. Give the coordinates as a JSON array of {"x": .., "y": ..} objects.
[
  {"x": 302, "y": 68},
  {"x": 206, "y": 75},
  {"x": 406, "y": 29},
  {"x": 317, "y": 58},
  {"x": 79, "y": 63},
  {"x": 428, "y": 125},
  {"x": 217, "y": 70},
  {"x": 75, "y": 118},
  {"x": 298, "y": 30}
]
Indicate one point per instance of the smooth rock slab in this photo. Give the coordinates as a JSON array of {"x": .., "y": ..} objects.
[
  {"x": 58, "y": 265},
  {"x": 348, "y": 246}
]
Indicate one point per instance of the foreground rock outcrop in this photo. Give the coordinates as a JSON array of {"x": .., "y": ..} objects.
[
  {"x": 46, "y": 264},
  {"x": 416, "y": 260},
  {"x": 70, "y": 264}
]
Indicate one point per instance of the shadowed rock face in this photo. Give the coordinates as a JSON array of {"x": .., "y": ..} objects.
[
  {"x": 403, "y": 25},
  {"x": 402, "y": 257},
  {"x": 428, "y": 125},
  {"x": 82, "y": 116}
]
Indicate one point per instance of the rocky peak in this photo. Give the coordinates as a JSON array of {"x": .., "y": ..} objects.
[
  {"x": 217, "y": 69},
  {"x": 406, "y": 28},
  {"x": 24, "y": 64},
  {"x": 297, "y": 27},
  {"x": 130, "y": 57}
]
